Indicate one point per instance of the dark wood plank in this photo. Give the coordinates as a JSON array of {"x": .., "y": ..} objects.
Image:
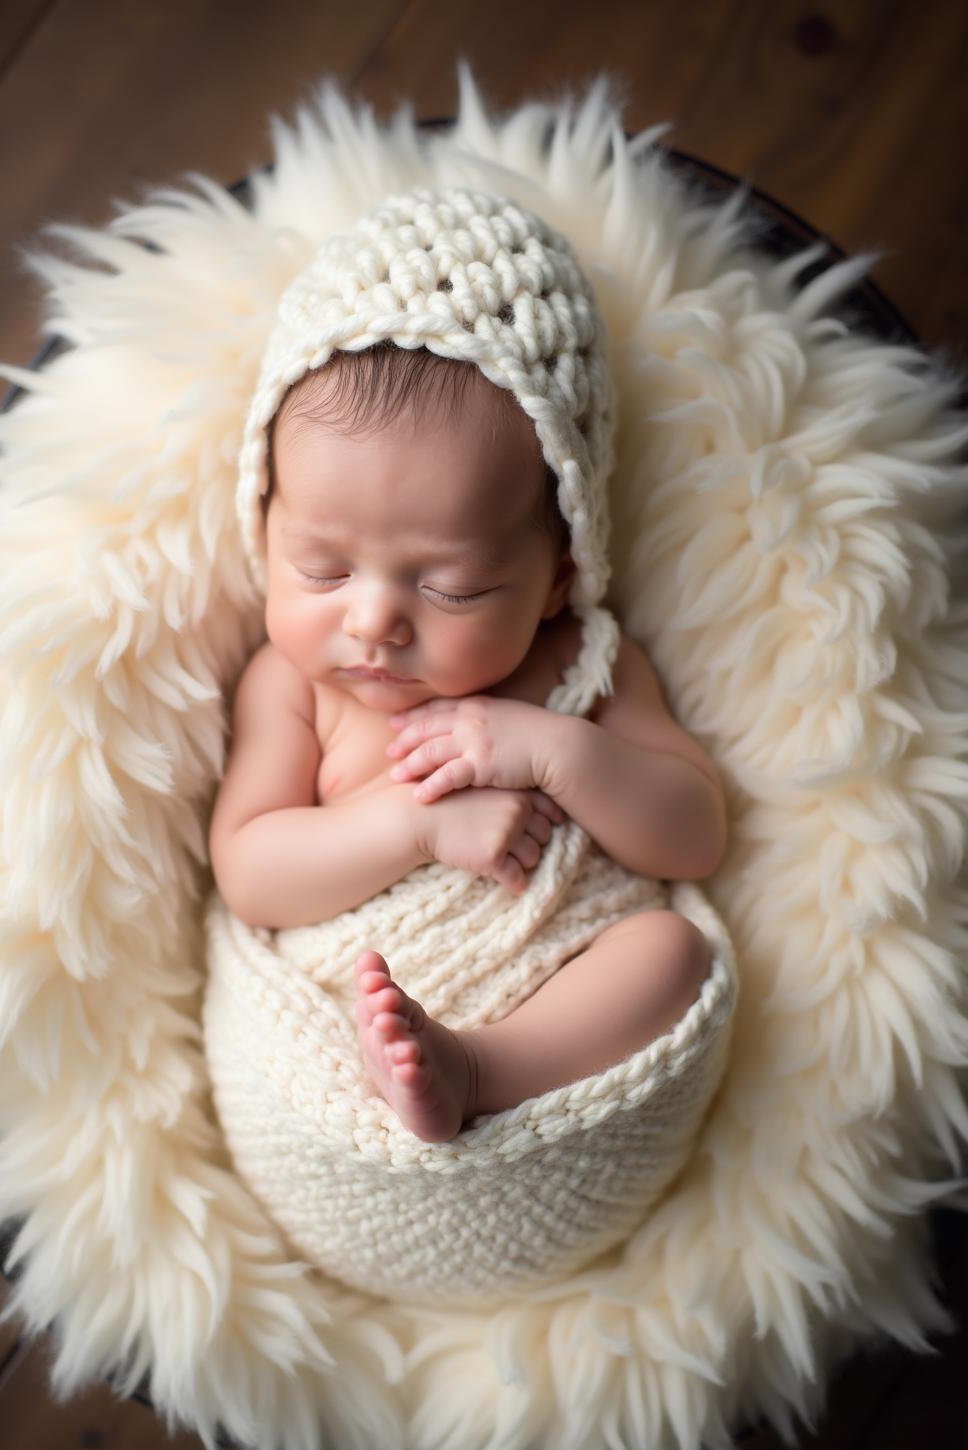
[
  {"x": 18, "y": 19},
  {"x": 33, "y": 1420},
  {"x": 847, "y": 114},
  {"x": 826, "y": 113},
  {"x": 105, "y": 98}
]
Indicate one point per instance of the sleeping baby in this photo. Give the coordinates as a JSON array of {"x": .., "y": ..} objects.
[{"x": 431, "y": 527}]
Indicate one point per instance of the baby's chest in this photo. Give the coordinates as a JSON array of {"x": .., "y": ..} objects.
[
  {"x": 353, "y": 742},
  {"x": 353, "y": 739}
]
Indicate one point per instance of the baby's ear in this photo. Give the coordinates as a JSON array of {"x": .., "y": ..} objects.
[{"x": 560, "y": 586}]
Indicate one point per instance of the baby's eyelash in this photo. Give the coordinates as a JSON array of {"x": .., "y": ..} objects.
[
  {"x": 454, "y": 598},
  {"x": 448, "y": 598}
]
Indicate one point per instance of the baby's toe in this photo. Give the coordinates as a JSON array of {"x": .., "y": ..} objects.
[
  {"x": 370, "y": 963},
  {"x": 374, "y": 1000},
  {"x": 390, "y": 999},
  {"x": 391, "y": 1025}
]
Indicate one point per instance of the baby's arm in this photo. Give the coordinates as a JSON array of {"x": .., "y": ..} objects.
[
  {"x": 637, "y": 782},
  {"x": 629, "y": 774},
  {"x": 280, "y": 860}
]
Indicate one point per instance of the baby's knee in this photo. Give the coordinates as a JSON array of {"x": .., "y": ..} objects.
[{"x": 681, "y": 952}]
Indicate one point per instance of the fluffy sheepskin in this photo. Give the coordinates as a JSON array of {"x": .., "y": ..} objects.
[{"x": 788, "y": 542}]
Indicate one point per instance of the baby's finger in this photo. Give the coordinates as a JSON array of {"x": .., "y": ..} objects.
[
  {"x": 452, "y": 776},
  {"x": 426, "y": 757},
  {"x": 547, "y": 806},
  {"x": 527, "y": 850},
  {"x": 511, "y": 875},
  {"x": 540, "y": 828},
  {"x": 414, "y": 731}
]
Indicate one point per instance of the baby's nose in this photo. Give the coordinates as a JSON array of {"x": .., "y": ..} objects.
[{"x": 376, "y": 616}]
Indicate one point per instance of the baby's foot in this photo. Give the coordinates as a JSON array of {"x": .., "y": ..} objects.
[{"x": 420, "y": 1066}]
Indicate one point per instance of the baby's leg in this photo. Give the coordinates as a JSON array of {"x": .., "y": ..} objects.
[{"x": 629, "y": 987}]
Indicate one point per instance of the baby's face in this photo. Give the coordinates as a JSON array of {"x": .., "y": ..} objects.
[{"x": 411, "y": 550}]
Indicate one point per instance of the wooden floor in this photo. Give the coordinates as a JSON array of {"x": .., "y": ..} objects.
[{"x": 853, "y": 113}]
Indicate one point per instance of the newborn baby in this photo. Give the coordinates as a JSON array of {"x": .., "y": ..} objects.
[{"x": 417, "y": 576}]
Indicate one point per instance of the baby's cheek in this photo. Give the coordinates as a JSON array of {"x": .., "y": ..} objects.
[
  {"x": 476, "y": 654},
  {"x": 278, "y": 616},
  {"x": 291, "y": 621}
]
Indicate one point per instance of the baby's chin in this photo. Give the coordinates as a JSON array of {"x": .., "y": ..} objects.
[
  {"x": 386, "y": 696},
  {"x": 390, "y": 696}
]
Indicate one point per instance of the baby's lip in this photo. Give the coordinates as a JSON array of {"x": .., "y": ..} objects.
[{"x": 378, "y": 674}]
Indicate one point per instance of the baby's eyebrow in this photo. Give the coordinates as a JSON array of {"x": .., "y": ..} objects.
[{"x": 477, "y": 550}]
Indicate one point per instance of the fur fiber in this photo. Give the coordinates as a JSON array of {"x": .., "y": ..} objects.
[{"x": 788, "y": 541}]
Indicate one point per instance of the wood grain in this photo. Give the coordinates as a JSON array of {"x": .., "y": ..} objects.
[
  {"x": 849, "y": 117},
  {"x": 33, "y": 1420},
  {"x": 17, "y": 19},
  {"x": 107, "y": 99}
]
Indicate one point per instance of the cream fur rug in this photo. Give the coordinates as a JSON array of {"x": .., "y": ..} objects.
[{"x": 789, "y": 514}]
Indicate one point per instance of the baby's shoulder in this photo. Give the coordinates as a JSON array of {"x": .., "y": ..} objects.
[
  {"x": 637, "y": 702},
  {"x": 636, "y": 687},
  {"x": 638, "y": 711},
  {"x": 269, "y": 681}
]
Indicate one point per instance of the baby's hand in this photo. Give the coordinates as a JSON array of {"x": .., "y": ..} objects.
[
  {"x": 498, "y": 833},
  {"x": 473, "y": 740}
]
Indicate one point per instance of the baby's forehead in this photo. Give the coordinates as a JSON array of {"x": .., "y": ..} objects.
[
  {"x": 464, "y": 444},
  {"x": 481, "y": 464},
  {"x": 349, "y": 395}
]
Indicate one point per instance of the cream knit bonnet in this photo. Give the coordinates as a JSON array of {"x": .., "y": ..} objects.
[{"x": 475, "y": 278}]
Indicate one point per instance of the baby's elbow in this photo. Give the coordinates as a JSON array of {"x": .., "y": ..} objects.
[
  {"x": 232, "y": 897},
  {"x": 232, "y": 880},
  {"x": 242, "y": 906}
]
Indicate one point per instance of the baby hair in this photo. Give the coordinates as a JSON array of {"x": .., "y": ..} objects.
[{"x": 358, "y": 392}]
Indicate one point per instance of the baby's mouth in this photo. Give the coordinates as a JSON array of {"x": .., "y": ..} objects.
[{"x": 361, "y": 672}]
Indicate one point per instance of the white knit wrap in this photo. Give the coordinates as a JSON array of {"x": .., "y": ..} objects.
[{"x": 519, "y": 1198}]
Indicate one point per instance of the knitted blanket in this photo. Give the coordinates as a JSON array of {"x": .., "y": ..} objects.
[{"x": 521, "y": 1197}]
